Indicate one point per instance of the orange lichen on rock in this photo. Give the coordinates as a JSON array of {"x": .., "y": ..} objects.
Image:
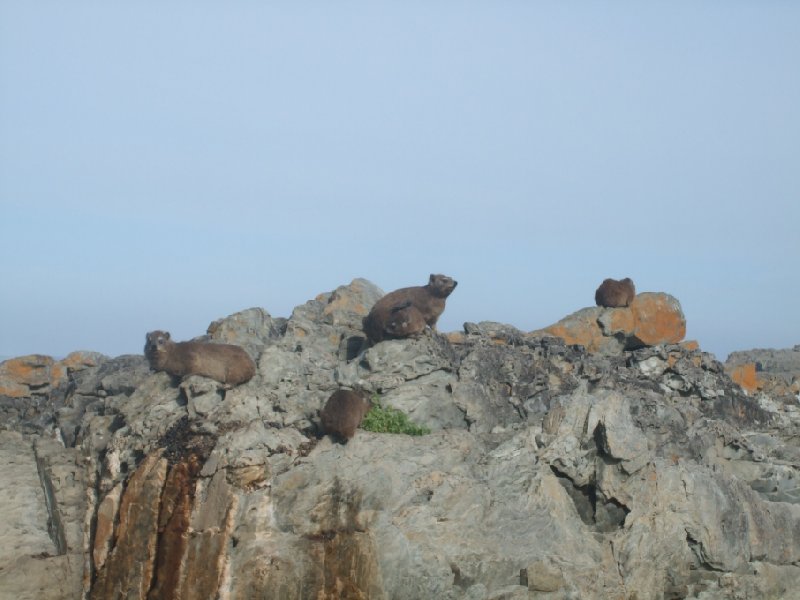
[
  {"x": 19, "y": 375},
  {"x": 346, "y": 302},
  {"x": 578, "y": 328},
  {"x": 745, "y": 376},
  {"x": 658, "y": 319},
  {"x": 618, "y": 320},
  {"x": 35, "y": 373},
  {"x": 651, "y": 319},
  {"x": 77, "y": 361}
]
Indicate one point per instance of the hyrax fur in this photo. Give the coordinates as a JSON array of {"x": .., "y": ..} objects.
[
  {"x": 343, "y": 413},
  {"x": 224, "y": 362},
  {"x": 405, "y": 320},
  {"x": 409, "y": 310},
  {"x": 614, "y": 294}
]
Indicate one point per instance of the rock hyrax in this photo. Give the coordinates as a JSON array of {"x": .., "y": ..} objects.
[
  {"x": 343, "y": 413},
  {"x": 410, "y": 309},
  {"x": 613, "y": 293},
  {"x": 224, "y": 362},
  {"x": 405, "y": 320}
]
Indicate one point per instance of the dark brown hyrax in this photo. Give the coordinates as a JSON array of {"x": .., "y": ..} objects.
[
  {"x": 224, "y": 362},
  {"x": 408, "y": 311},
  {"x": 343, "y": 413},
  {"x": 614, "y": 294}
]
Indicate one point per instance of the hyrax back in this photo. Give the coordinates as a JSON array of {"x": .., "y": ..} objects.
[
  {"x": 224, "y": 362},
  {"x": 417, "y": 306},
  {"x": 614, "y": 294},
  {"x": 343, "y": 413}
]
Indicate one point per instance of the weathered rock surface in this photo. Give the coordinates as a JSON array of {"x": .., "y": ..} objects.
[
  {"x": 785, "y": 362},
  {"x": 773, "y": 372},
  {"x": 651, "y": 319},
  {"x": 550, "y": 472},
  {"x": 39, "y": 375},
  {"x": 252, "y": 329}
]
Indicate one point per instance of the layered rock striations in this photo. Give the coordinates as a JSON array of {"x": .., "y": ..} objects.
[{"x": 550, "y": 471}]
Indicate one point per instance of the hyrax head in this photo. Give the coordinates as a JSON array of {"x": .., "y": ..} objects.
[
  {"x": 156, "y": 341},
  {"x": 442, "y": 285}
]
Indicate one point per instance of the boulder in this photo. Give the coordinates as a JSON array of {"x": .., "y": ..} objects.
[
  {"x": 252, "y": 329},
  {"x": 27, "y": 375},
  {"x": 651, "y": 319}
]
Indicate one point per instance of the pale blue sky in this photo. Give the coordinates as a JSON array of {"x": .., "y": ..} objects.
[{"x": 164, "y": 164}]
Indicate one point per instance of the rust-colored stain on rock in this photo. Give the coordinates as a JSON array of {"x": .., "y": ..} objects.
[
  {"x": 128, "y": 571},
  {"x": 173, "y": 529},
  {"x": 348, "y": 567},
  {"x": 159, "y": 550}
]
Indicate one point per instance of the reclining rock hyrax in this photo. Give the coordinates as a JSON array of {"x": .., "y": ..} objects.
[
  {"x": 615, "y": 294},
  {"x": 405, "y": 320},
  {"x": 224, "y": 362},
  {"x": 409, "y": 310},
  {"x": 343, "y": 413}
]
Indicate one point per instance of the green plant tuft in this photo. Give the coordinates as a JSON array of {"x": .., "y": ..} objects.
[{"x": 382, "y": 419}]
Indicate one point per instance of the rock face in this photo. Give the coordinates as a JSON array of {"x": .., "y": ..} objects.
[
  {"x": 550, "y": 472},
  {"x": 651, "y": 319},
  {"x": 38, "y": 375},
  {"x": 775, "y": 372}
]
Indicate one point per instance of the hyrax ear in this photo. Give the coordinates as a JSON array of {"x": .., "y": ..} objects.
[
  {"x": 166, "y": 335},
  {"x": 431, "y": 278}
]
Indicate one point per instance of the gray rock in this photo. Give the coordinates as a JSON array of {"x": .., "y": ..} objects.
[
  {"x": 43, "y": 497},
  {"x": 252, "y": 329},
  {"x": 549, "y": 472},
  {"x": 495, "y": 331},
  {"x": 428, "y": 401},
  {"x": 784, "y": 362}
]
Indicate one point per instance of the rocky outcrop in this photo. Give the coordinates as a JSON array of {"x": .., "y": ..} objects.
[
  {"x": 772, "y": 372},
  {"x": 550, "y": 471},
  {"x": 785, "y": 362},
  {"x": 252, "y": 329},
  {"x": 651, "y": 319},
  {"x": 39, "y": 375}
]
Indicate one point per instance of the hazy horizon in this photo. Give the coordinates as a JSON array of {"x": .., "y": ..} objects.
[
  {"x": 166, "y": 165},
  {"x": 198, "y": 333}
]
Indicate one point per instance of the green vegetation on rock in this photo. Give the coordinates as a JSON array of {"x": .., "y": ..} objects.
[{"x": 382, "y": 419}]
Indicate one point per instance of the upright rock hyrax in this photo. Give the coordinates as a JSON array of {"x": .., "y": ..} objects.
[
  {"x": 408, "y": 311},
  {"x": 614, "y": 294},
  {"x": 343, "y": 413},
  {"x": 224, "y": 362}
]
